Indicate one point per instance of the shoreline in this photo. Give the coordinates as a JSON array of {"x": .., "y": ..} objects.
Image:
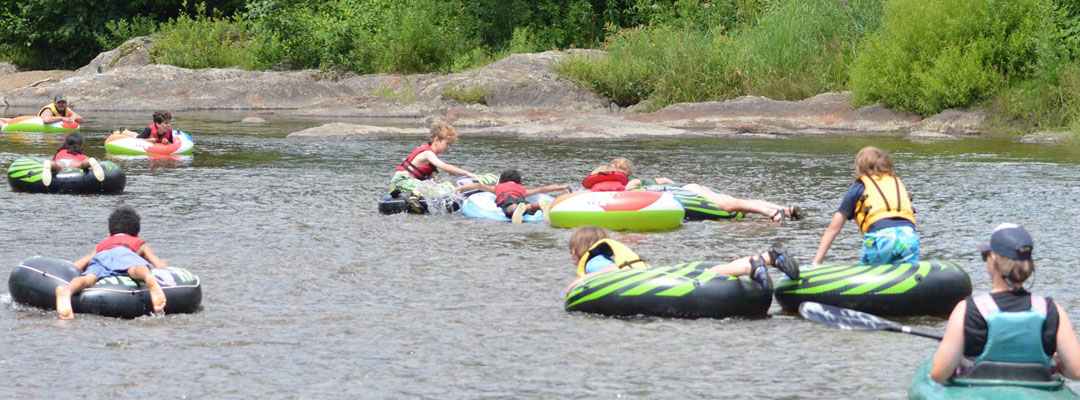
[{"x": 520, "y": 95}]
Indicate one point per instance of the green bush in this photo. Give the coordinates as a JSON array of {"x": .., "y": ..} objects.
[
  {"x": 120, "y": 30},
  {"x": 796, "y": 49},
  {"x": 466, "y": 95},
  {"x": 929, "y": 56},
  {"x": 206, "y": 42},
  {"x": 1047, "y": 104}
]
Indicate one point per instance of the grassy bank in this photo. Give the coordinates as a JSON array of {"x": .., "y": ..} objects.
[{"x": 1016, "y": 59}]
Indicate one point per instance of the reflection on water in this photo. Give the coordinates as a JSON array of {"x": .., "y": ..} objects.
[{"x": 309, "y": 292}]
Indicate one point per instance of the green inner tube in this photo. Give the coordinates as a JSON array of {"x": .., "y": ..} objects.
[
  {"x": 685, "y": 290},
  {"x": 926, "y": 288}
]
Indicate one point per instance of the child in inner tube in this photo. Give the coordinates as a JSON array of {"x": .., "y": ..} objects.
[
  {"x": 510, "y": 195},
  {"x": 122, "y": 253},
  {"x": 727, "y": 203},
  {"x": 1009, "y": 324},
  {"x": 881, "y": 207},
  {"x": 160, "y": 131},
  {"x": 70, "y": 155},
  {"x": 422, "y": 164},
  {"x": 594, "y": 252}
]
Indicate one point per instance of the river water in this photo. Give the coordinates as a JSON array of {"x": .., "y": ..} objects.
[{"x": 310, "y": 293}]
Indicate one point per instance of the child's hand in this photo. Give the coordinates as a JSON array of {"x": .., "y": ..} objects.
[{"x": 567, "y": 188}]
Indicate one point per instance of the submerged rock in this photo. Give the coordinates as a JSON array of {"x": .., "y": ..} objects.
[
  {"x": 253, "y": 121},
  {"x": 929, "y": 136},
  {"x": 824, "y": 113},
  {"x": 1045, "y": 137},
  {"x": 341, "y": 130}
]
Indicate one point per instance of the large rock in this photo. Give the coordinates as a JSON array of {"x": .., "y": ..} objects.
[
  {"x": 115, "y": 81},
  {"x": 953, "y": 122},
  {"x": 587, "y": 126},
  {"x": 7, "y": 68},
  {"x": 132, "y": 53},
  {"x": 824, "y": 113},
  {"x": 519, "y": 81},
  {"x": 164, "y": 87}
]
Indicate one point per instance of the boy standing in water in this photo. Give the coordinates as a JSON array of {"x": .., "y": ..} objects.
[
  {"x": 422, "y": 164},
  {"x": 881, "y": 207},
  {"x": 121, "y": 253}
]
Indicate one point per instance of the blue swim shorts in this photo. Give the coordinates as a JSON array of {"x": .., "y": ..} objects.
[
  {"x": 895, "y": 245},
  {"x": 114, "y": 262}
]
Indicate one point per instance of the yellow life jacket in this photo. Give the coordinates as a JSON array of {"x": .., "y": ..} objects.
[
  {"x": 884, "y": 197},
  {"x": 55, "y": 113},
  {"x": 618, "y": 252}
]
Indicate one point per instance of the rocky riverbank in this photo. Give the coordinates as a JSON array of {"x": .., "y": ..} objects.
[{"x": 519, "y": 95}]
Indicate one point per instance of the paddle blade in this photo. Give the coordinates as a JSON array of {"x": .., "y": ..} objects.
[{"x": 844, "y": 318}]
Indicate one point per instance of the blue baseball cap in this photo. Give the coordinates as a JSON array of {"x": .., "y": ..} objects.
[{"x": 1009, "y": 240}]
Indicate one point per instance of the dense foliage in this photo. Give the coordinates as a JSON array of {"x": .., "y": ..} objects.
[
  {"x": 929, "y": 56},
  {"x": 1016, "y": 58},
  {"x": 66, "y": 34},
  {"x": 790, "y": 50}
]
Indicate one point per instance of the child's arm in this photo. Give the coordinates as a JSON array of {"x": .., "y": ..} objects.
[
  {"x": 547, "y": 189},
  {"x": 149, "y": 255},
  {"x": 470, "y": 186},
  {"x": 633, "y": 184},
  {"x": 430, "y": 157},
  {"x": 610, "y": 268},
  {"x": 835, "y": 225},
  {"x": 84, "y": 261}
]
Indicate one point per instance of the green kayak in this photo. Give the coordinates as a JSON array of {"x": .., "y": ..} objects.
[{"x": 922, "y": 387}]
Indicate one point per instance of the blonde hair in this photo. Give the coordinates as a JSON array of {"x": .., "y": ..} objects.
[
  {"x": 444, "y": 132},
  {"x": 585, "y": 237},
  {"x": 623, "y": 164},
  {"x": 1016, "y": 270},
  {"x": 602, "y": 168},
  {"x": 873, "y": 161}
]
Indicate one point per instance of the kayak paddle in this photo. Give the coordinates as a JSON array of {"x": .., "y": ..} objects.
[{"x": 851, "y": 320}]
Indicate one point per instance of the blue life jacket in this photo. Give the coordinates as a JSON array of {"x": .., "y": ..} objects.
[{"x": 1013, "y": 336}]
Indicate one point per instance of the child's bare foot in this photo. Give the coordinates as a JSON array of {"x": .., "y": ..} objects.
[
  {"x": 157, "y": 298},
  {"x": 63, "y": 303}
]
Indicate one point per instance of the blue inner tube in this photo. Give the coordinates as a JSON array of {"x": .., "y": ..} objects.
[
  {"x": 686, "y": 290},
  {"x": 926, "y": 288},
  {"x": 24, "y": 175},
  {"x": 697, "y": 207},
  {"x": 482, "y": 205},
  {"x": 34, "y": 281}
]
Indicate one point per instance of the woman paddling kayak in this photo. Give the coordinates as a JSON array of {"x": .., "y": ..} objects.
[{"x": 1009, "y": 324}]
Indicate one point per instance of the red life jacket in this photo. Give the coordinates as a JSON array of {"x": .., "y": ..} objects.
[
  {"x": 420, "y": 172},
  {"x": 509, "y": 190},
  {"x": 154, "y": 135},
  {"x": 120, "y": 239},
  {"x": 607, "y": 181},
  {"x": 64, "y": 154}
]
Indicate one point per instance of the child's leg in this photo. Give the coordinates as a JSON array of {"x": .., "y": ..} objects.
[
  {"x": 157, "y": 296},
  {"x": 64, "y": 293},
  {"x": 730, "y": 203},
  {"x": 737, "y": 267}
]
